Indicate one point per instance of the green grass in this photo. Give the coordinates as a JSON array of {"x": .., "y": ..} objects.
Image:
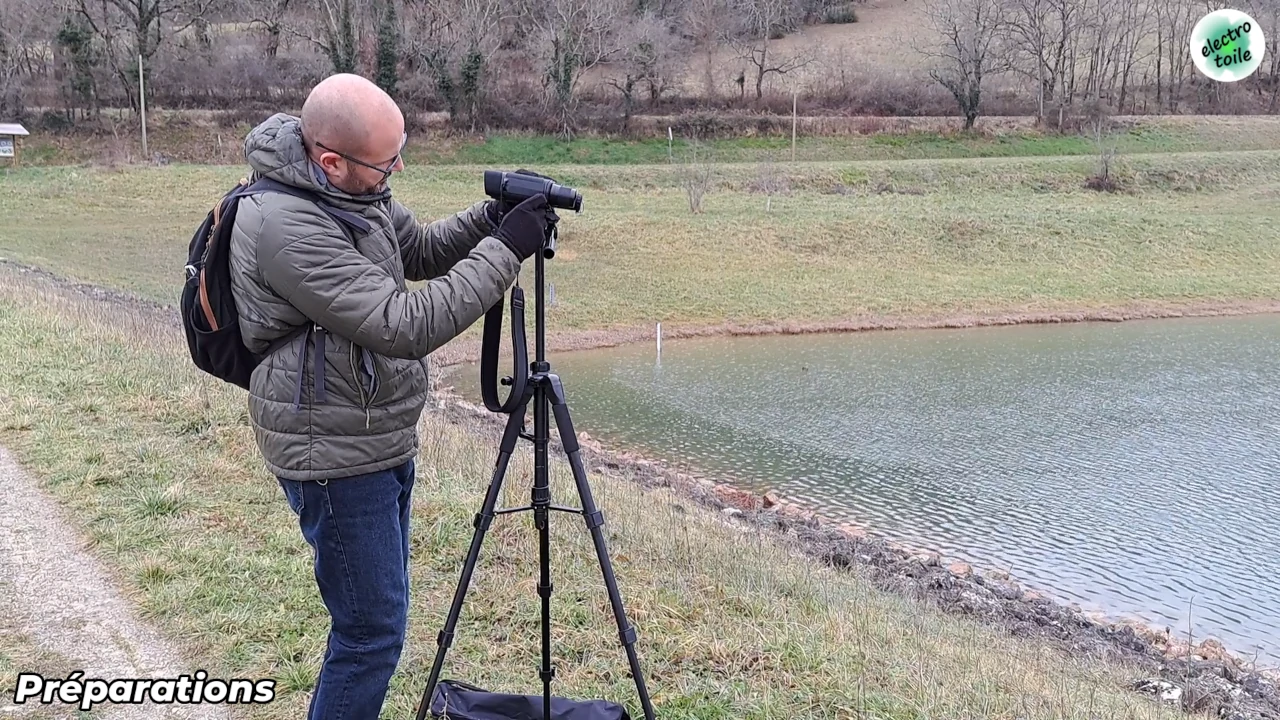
[
  {"x": 1150, "y": 136},
  {"x": 158, "y": 465},
  {"x": 878, "y": 238}
]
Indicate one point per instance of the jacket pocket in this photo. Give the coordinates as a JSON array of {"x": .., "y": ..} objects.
[{"x": 364, "y": 369}]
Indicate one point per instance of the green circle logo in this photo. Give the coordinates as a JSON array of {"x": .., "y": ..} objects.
[{"x": 1227, "y": 45}]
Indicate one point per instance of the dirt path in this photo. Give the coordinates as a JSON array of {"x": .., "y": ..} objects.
[{"x": 59, "y": 597}]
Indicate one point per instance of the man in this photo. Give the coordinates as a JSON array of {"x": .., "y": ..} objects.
[{"x": 336, "y": 402}]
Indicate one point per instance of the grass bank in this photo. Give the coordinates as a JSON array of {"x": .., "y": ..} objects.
[
  {"x": 99, "y": 400},
  {"x": 186, "y": 136},
  {"x": 828, "y": 243}
]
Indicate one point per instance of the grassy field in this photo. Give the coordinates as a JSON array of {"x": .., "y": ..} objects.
[
  {"x": 834, "y": 240},
  {"x": 102, "y": 404}
]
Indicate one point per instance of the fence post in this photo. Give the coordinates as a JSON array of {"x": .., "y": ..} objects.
[
  {"x": 142, "y": 103},
  {"x": 794, "y": 98}
]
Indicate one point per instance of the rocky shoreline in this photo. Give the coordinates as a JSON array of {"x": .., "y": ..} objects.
[{"x": 1204, "y": 677}]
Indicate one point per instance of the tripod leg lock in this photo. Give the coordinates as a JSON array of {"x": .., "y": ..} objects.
[
  {"x": 544, "y": 591},
  {"x": 547, "y": 675},
  {"x": 482, "y": 521},
  {"x": 594, "y": 520},
  {"x": 628, "y": 636},
  {"x": 444, "y": 639}
]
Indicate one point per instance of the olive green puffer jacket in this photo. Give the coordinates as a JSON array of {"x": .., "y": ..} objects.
[{"x": 304, "y": 282}]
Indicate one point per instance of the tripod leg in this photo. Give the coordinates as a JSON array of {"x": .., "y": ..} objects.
[
  {"x": 481, "y": 523},
  {"x": 594, "y": 519},
  {"x": 541, "y": 501}
]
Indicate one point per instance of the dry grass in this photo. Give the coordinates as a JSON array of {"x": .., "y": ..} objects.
[{"x": 160, "y": 465}]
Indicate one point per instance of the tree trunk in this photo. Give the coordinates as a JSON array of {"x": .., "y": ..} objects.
[
  {"x": 273, "y": 40},
  {"x": 764, "y": 58},
  {"x": 1160, "y": 69}
]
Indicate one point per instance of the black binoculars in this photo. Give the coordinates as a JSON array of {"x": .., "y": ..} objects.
[{"x": 515, "y": 188}]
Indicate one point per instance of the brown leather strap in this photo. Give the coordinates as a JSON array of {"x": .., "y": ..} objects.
[
  {"x": 217, "y": 208},
  {"x": 204, "y": 303}
]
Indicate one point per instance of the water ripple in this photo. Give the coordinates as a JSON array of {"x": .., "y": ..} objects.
[{"x": 1129, "y": 467}]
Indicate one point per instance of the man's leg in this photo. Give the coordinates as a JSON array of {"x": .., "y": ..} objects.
[{"x": 354, "y": 526}]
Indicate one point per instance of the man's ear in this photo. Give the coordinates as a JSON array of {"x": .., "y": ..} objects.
[{"x": 330, "y": 162}]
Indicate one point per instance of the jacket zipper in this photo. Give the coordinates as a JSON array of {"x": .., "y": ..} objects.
[{"x": 366, "y": 398}]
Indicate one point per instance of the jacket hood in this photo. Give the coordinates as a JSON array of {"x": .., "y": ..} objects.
[{"x": 274, "y": 150}]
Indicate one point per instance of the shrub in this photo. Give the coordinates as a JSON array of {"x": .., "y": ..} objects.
[{"x": 840, "y": 15}]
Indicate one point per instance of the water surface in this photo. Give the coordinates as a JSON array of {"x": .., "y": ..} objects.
[{"x": 1130, "y": 467}]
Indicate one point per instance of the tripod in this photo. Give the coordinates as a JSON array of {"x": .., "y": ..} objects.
[{"x": 534, "y": 382}]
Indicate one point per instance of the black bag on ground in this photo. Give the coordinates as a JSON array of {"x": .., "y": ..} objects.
[
  {"x": 460, "y": 701},
  {"x": 209, "y": 315}
]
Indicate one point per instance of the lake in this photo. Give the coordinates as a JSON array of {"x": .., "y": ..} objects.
[{"x": 1132, "y": 468}]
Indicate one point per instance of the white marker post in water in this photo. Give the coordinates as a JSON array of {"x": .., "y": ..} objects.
[{"x": 659, "y": 339}]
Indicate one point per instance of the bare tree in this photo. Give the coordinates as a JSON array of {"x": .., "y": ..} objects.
[
  {"x": 1174, "y": 21},
  {"x": 571, "y": 37},
  {"x": 971, "y": 50},
  {"x": 1044, "y": 31},
  {"x": 454, "y": 39},
  {"x": 1134, "y": 20},
  {"x": 334, "y": 27},
  {"x": 647, "y": 59},
  {"x": 759, "y": 21},
  {"x": 707, "y": 24},
  {"x": 270, "y": 15},
  {"x": 20, "y": 30},
  {"x": 132, "y": 28},
  {"x": 1267, "y": 13},
  {"x": 339, "y": 24}
]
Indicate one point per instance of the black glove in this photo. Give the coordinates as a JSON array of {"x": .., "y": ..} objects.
[
  {"x": 524, "y": 227},
  {"x": 552, "y": 217}
]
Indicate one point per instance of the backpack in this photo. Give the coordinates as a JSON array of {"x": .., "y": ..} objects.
[{"x": 209, "y": 315}]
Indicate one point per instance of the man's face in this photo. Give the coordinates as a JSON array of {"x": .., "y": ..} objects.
[{"x": 363, "y": 168}]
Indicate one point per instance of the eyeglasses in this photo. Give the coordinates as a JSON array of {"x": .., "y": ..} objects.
[{"x": 386, "y": 171}]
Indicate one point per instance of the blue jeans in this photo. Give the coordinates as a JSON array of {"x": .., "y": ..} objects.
[{"x": 358, "y": 529}]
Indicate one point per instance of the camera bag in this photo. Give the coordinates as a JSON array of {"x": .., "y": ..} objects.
[{"x": 462, "y": 701}]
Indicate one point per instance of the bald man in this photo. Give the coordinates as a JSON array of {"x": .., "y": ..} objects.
[{"x": 335, "y": 403}]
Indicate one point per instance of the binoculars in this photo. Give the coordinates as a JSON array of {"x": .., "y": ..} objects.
[{"x": 516, "y": 187}]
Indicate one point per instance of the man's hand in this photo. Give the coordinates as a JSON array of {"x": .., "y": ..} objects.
[{"x": 524, "y": 229}]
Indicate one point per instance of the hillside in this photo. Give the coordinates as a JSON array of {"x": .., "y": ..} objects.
[{"x": 842, "y": 54}]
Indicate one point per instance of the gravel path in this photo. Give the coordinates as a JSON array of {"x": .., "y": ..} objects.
[{"x": 65, "y": 602}]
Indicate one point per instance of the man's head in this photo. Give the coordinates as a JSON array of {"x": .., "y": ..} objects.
[{"x": 355, "y": 132}]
